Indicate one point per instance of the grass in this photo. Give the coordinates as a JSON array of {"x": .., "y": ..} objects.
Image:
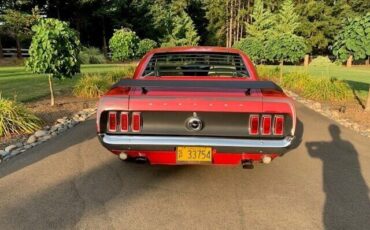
[
  {"x": 358, "y": 78},
  {"x": 24, "y": 86}
]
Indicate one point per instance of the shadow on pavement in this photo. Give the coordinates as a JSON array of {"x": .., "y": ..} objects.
[
  {"x": 74, "y": 202},
  {"x": 55, "y": 145},
  {"x": 347, "y": 204}
]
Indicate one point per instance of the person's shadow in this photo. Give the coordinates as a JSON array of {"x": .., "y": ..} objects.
[{"x": 347, "y": 204}]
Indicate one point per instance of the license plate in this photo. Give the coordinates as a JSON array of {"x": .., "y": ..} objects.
[{"x": 194, "y": 154}]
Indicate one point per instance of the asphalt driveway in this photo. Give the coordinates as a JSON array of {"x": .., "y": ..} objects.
[{"x": 72, "y": 182}]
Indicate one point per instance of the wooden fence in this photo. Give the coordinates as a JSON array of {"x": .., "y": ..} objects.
[{"x": 12, "y": 52}]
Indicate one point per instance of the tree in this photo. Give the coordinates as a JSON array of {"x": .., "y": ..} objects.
[
  {"x": 259, "y": 31},
  {"x": 288, "y": 18},
  {"x": 217, "y": 17},
  {"x": 263, "y": 22},
  {"x": 144, "y": 46},
  {"x": 183, "y": 32},
  {"x": 254, "y": 47},
  {"x": 123, "y": 44},
  {"x": 174, "y": 23},
  {"x": 54, "y": 51},
  {"x": 353, "y": 42},
  {"x": 18, "y": 25},
  {"x": 283, "y": 44}
]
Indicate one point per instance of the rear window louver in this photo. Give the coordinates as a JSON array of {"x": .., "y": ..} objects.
[{"x": 196, "y": 64}]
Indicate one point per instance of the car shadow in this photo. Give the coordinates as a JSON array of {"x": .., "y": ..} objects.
[{"x": 347, "y": 204}]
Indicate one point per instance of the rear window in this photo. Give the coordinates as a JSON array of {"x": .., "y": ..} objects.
[{"x": 196, "y": 64}]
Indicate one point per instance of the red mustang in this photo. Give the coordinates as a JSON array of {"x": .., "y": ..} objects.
[{"x": 192, "y": 105}]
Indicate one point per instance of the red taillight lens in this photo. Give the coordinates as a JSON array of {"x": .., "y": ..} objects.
[
  {"x": 266, "y": 125},
  {"x": 279, "y": 125},
  {"x": 112, "y": 122},
  {"x": 124, "y": 122},
  {"x": 253, "y": 124},
  {"x": 136, "y": 122}
]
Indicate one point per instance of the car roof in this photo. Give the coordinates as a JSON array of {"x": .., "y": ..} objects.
[{"x": 207, "y": 49}]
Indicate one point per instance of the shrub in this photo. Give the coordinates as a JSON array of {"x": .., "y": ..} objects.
[
  {"x": 321, "y": 61},
  {"x": 91, "y": 86},
  {"x": 322, "y": 89},
  {"x": 123, "y": 44},
  {"x": 91, "y": 55},
  {"x": 327, "y": 90},
  {"x": 254, "y": 47},
  {"x": 15, "y": 118},
  {"x": 268, "y": 73},
  {"x": 124, "y": 73},
  {"x": 95, "y": 85},
  {"x": 144, "y": 46}
]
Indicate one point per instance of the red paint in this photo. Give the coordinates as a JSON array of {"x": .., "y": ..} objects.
[{"x": 257, "y": 102}]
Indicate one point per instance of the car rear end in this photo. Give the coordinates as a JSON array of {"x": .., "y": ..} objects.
[{"x": 190, "y": 125}]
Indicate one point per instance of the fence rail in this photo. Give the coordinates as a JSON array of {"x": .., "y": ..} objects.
[{"x": 12, "y": 52}]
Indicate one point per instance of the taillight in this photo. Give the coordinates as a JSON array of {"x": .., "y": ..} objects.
[
  {"x": 279, "y": 125},
  {"x": 136, "y": 122},
  {"x": 266, "y": 125},
  {"x": 112, "y": 122},
  {"x": 124, "y": 122},
  {"x": 253, "y": 124}
]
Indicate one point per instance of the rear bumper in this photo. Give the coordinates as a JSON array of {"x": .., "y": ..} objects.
[{"x": 169, "y": 143}]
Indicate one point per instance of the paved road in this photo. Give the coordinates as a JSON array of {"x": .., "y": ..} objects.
[{"x": 72, "y": 182}]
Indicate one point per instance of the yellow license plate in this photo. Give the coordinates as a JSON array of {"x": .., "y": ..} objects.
[{"x": 194, "y": 154}]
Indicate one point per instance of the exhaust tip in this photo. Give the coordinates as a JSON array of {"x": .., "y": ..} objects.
[{"x": 247, "y": 164}]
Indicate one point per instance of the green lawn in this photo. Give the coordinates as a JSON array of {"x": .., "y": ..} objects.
[
  {"x": 357, "y": 77},
  {"x": 16, "y": 82}
]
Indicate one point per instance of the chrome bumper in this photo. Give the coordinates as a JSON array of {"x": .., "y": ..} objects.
[{"x": 228, "y": 145}]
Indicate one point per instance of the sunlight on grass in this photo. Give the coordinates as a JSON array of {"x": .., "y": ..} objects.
[
  {"x": 22, "y": 85},
  {"x": 357, "y": 77}
]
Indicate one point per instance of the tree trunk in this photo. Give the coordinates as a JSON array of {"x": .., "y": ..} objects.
[
  {"x": 281, "y": 71},
  {"x": 306, "y": 60},
  {"x": 366, "y": 62},
  {"x": 238, "y": 22},
  {"x": 367, "y": 107},
  {"x": 349, "y": 61},
  {"x": 52, "y": 102},
  {"x": 231, "y": 23},
  {"x": 227, "y": 24},
  {"x": 19, "y": 52},
  {"x": 1, "y": 50},
  {"x": 105, "y": 48}
]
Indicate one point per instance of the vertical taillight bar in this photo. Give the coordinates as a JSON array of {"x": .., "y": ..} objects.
[
  {"x": 136, "y": 122},
  {"x": 278, "y": 125},
  {"x": 266, "y": 125},
  {"x": 124, "y": 122},
  {"x": 112, "y": 122},
  {"x": 253, "y": 124}
]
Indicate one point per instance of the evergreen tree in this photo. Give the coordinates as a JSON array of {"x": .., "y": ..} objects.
[
  {"x": 217, "y": 17},
  {"x": 263, "y": 21},
  {"x": 183, "y": 32},
  {"x": 288, "y": 19}
]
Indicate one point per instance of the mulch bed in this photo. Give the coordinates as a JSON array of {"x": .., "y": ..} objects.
[{"x": 65, "y": 106}]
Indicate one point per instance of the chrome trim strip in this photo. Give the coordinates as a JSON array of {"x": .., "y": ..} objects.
[{"x": 139, "y": 140}]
